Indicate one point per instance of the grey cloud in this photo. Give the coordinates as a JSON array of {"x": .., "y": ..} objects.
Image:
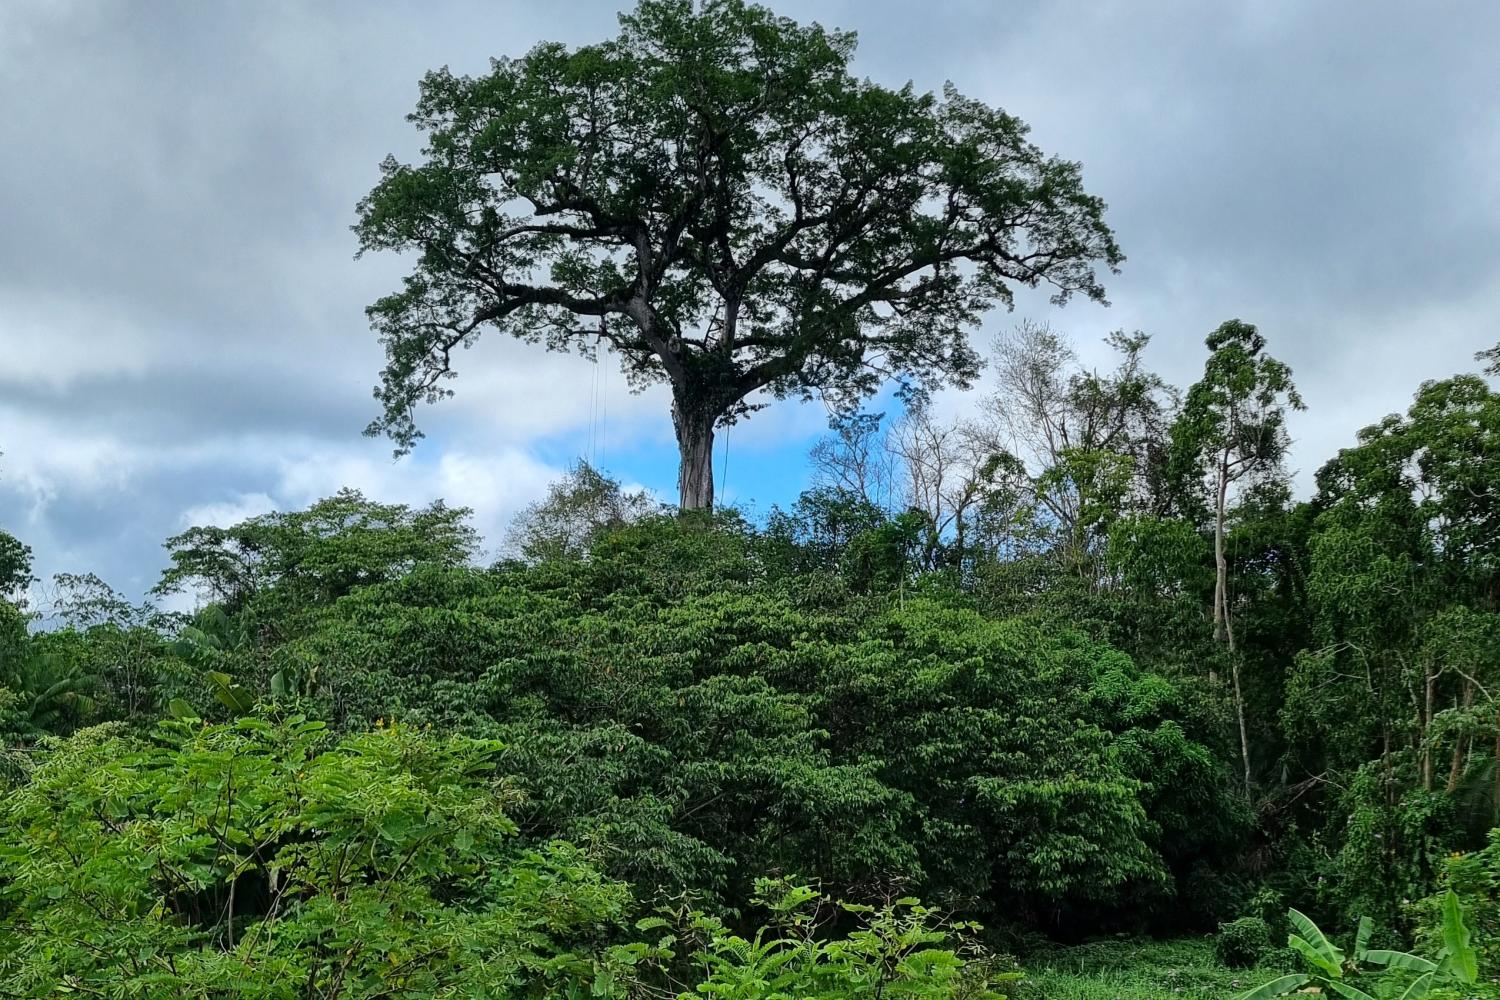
[{"x": 181, "y": 318}]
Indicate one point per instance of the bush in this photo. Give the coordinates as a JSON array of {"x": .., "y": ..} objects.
[
  {"x": 1241, "y": 943},
  {"x": 1475, "y": 877},
  {"x": 902, "y": 949},
  {"x": 1269, "y": 905},
  {"x": 287, "y": 862},
  {"x": 863, "y": 745}
]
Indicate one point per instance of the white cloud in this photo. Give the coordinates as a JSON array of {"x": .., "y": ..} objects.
[
  {"x": 495, "y": 484},
  {"x": 223, "y": 513}
]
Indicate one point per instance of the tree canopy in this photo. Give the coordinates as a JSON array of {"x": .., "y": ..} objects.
[
  {"x": 714, "y": 197},
  {"x": 316, "y": 555}
]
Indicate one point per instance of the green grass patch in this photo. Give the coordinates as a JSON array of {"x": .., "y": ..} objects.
[{"x": 1134, "y": 969}]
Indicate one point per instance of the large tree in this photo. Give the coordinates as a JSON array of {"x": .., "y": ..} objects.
[
  {"x": 315, "y": 556},
  {"x": 714, "y": 197}
]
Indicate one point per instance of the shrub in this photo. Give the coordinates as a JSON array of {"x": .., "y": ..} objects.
[
  {"x": 901, "y": 949},
  {"x": 1241, "y": 943},
  {"x": 1475, "y": 877},
  {"x": 1269, "y": 905},
  {"x": 1411, "y": 976},
  {"x": 272, "y": 860}
]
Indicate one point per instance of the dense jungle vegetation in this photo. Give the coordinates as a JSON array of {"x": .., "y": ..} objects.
[
  {"x": 1073, "y": 697},
  {"x": 1001, "y": 682}
]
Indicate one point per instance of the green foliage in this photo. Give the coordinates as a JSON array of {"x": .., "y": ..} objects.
[
  {"x": 578, "y": 510},
  {"x": 703, "y": 723},
  {"x": 1233, "y": 421},
  {"x": 1128, "y": 969},
  {"x": 52, "y": 694},
  {"x": 1008, "y": 662},
  {"x": 270, "y": 859},
  {"x": 1390, "y": 702},
  {"x": 1474, "y": 879},
  {"x": 1242, "y": 943},
  {"x": 1008, "y": 697},
  {"x": 901, "y": 949},
  {"x": 15, "y": 567},
  {"x": 1087, "y": 442},
  {"x": 1407, "y": 975},
  {"x": 285, "y": 562},
  {"x": 14, "y": 639}
]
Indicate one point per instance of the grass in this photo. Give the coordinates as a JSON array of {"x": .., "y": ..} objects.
[{"x": 1134, "y": 969}]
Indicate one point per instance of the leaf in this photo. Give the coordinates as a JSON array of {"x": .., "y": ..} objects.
[
  {"x": 180, "y": 709},
  {"x": 394, "y": 826},
  {"x": 1314, "y": 957},
  {"x": 1344, "y": 989},
  {"x": 230, "y": 694},
  {"x": 1332, "y": 956},
  {"x": 1362, "y": 937},
  {"x": 1463, "y": 963},
  {"x": 1276, "y": 987},
  {"x": 278, "y": 684},
  {"x": 1402, "y": 960},
  {"x": 1418, "y": 988}
]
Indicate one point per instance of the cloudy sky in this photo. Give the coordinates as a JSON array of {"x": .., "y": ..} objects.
[{"x": 182, "y": 337}]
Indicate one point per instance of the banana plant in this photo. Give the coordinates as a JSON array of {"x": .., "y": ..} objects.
[
  {"x": 206, "y": 644},
  {"x": 1325, "y": 958},
  {"x": 1455, "y": 965},
  {"x": 55, "y": 693}
]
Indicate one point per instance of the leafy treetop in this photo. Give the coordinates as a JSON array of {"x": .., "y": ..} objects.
[{"x": 716, "y": 198}]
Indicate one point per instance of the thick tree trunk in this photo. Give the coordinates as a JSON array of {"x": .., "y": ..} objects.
[{"x": 695, "y": 449}]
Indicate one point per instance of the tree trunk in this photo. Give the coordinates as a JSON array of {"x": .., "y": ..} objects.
[
  {"x": 1430, "y": 690},
  {"x": 695, "y": 449},
  {"x": 1239, "y": 708},
  {"x": 1497, "y": 765},
  {"x": 1461, "y": 748},
  {"x": 1221, "y": 565},
  {"x": 1223, "y": 630}
]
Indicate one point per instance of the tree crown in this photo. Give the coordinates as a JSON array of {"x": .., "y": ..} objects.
[{"x": 717, "y": 198}]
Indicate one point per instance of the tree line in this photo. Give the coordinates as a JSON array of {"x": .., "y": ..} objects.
[{"x": 1112, "y": 676}]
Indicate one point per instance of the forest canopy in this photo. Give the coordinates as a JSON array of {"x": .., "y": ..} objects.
[{"x": 987, "y": 668}]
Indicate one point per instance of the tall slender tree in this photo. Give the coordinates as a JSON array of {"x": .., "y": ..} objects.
[
  {"x": 716, "y": 198},
  {"x": 1233, "y": 427}
]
